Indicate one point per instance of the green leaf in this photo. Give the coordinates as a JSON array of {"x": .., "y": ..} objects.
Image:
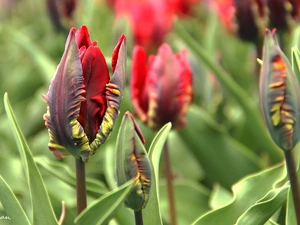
[
  {"x": 42, "y": 209},
  {"x": 219, "y": 197},
  {"x": 152, "y": 214},
  {"x": 262, "y": 210},
  {"x": 11, "y": 205},
  {"x": 42, "y": 60},
  {"x": 290, "y": 218},
  {"x": 109, "y": 166},
  {"x": 246, "y": 193},
  {"x": 215, "y": 149},
  {"x": 296, "y": 62},
  {"x": 191, "y": 199},
  {"x": 103, "y": 209},
  {"x": 63, "y": 172}
]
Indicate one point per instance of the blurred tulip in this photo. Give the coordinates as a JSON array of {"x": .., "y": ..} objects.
[
  {"x": 279, "y": 95},
  {"x": 132, "y": 162},
  {"x": 162, "y": 90},
  {"x": 183, "y": 7},
  {"x": 150, "y": 21},
  {"x": 83, "y": 102},
  {"x": 59, "y": 10},
  {"x": 251, "y": 17},
  {"x": 283, "y": 13}
]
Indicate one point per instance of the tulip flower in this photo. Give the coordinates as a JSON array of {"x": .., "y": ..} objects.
[
  {"x": 132, "y": 162},
  {"x": 83, "y": 102},
  {"x": 162, "y": 89},
  {"x": 149, "y": 21},
  {"x": 280, "y": 95},
  {"x": 283, "y": 13}
]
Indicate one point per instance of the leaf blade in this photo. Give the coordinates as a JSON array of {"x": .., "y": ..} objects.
[
  {"x": 11, "y": 205},
  {"x": 42, "y": 210},
  {"x": 151, "y": 213}
]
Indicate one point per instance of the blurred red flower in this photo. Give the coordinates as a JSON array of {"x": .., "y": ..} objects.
[
  {"x": 149, "y": 20},
  {"x": 162, "y": 89},
  {"x": 251, "y": 17}
]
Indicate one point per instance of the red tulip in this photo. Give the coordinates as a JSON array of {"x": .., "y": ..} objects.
[
  {"x": 149, "y": 21},
  {"x": 83, "y": 102},
  {"x": 283, "y": 12},
  {"x": 162, "y": 89}
]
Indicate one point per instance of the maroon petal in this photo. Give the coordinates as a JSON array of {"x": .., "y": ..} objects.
[
  {"x": 139, "y": 93},
  {"x": 63, "y": 99},
  {"x": 114, "y": 94},
  {"x": 96, "y": 76},
  {"x": 82, "y": 37},
  {"x": 115, "y": 54}
]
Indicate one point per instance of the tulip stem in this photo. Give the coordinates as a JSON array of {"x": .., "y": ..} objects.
[
  {"x": 80, "y": 185},
  {"x": 170, "y": 188},
  {"x": 138, "y": 217},
  {"x": 291, "y": 168}
]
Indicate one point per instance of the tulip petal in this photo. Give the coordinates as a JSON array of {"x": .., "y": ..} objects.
[
  {"x": 279, "y": 93},
  {"x": 132, "y": 162},
  {"x": 96, "y": 76},
  {"x": 139, "y": 92},
  {"x": 114, "y": 93},
  {"x": 82, "y": 37},
  {"x": 63, "y": 99}
]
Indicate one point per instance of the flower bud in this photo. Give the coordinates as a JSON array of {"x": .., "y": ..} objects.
[
  {"x": 83, "y": 101},
  {"x": 133, "y": 163},
  {"x": 279, "y": 95}
]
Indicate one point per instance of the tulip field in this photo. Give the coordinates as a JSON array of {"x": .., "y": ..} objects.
[{"x": 140, "y": 112}]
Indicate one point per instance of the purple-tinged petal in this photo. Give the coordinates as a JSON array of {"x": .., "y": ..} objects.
[
  {"x": 64, "y": 98},
  {"x": 114, "y": 94}
]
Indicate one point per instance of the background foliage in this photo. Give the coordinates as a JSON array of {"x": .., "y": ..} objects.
[{"x": 223, "y": 160}]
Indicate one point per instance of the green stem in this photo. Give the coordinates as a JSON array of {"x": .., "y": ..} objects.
[
  {"x": 291, "y": 168},
  {"x": 170, "y": 188},
  {"x": 80, "y": 185},
  {"x": 138, "y": 217}
]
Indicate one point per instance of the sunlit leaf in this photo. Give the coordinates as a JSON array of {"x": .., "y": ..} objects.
[
  {"x": 42, "y": 209},
  {"x": 262, "y": 210},
  {"x": 11, "y": 205},
  {"x": 219, "y": 197},
  {"x": 245, "y": 194}
]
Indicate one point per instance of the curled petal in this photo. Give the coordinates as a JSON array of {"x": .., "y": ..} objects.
[
  {"x": 114, "y": 93},
  {"x": 279, "y": 93},
  {"x": 64, "y": 98},
  {"x": 133, "y": 163}
]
